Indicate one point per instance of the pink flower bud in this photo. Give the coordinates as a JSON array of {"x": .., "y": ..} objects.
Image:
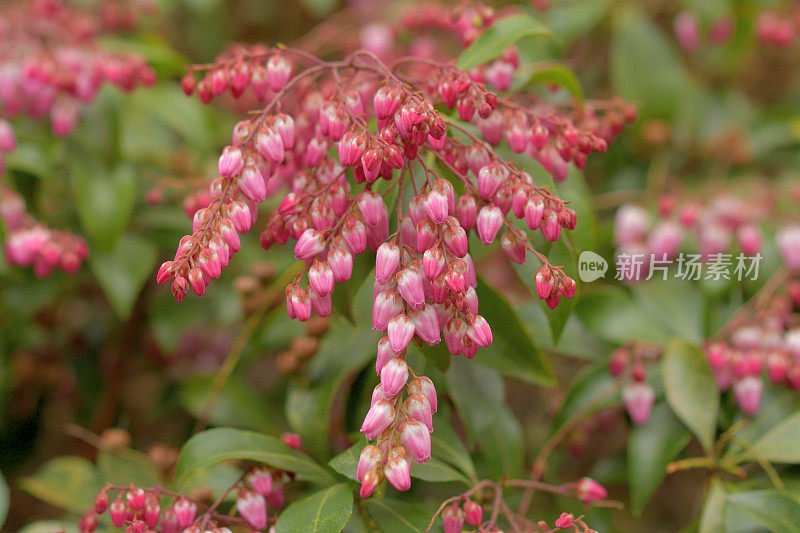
[
  {"x": 197, "y": 281},
  {"x": 261, "y": 480},
  {"x": 322, "y": 305},
  {"x": 385, "y": 307},
  {"x": 169, "y": 522},
  {"x": 452, "y": 518},
  {"x": 424, "y": 386},
  {"x": 687, "y": 30},
  {"x": 534, "y": 209},
  {"x": 270, "y": 145},
  {"x": 490, "y": 178},
  {"x": 355, "y": 235},
  {"x": 369, "y": 459},
  {"x": 387, "y": 262},
  {"x": 417, "y": 440},
  {"x": 453, "y": 333},
  {"x": 400, "y": 331},
  {"x": 310, "y": 244},
  {"x": 397, "y": 469},
  {"x": 301, "y": 303},
  {"x": 8, "y": 142},
  {"x": 467, "y": 211},
  {"x": 278, "y": 72},
  {"x": 473, "y": 513},
  {"x": 320, "y": 277},
  {"x": 253, "y": 508},
  {"x": 101, "y": 503},
  {"x": 638, "y": 399},
  {"x": 378, "y": 418},
  {"x": 394, "y": 376},
  {"x": 179, "y": 287},
  {"x": 426, "y": 324},
  {"x": 165, "y": 272},
  {"x": 185, "y": 511},
  {"x": 372, "y": 207},
  {"x": 410, "y": 285},
  {"x": 631, "y": 224},
  {"x": 588, "y": 490},
  {"x": 230, "y": 162},
  {"x": 567, "y": 287},
  {"x": 748, "y": 394},
  {"x": 284, "y": 126},
  {"x": 208, "y": 261},
  {"x": 749, "y": 237},
  {"x": 551, "y": 229},
  {"x": 455, "y": 238},
  {"x": 118, "y": 512},
  {"x": 386, "y": 102},
  {"x": 436, "y": 206},
  {"x": 777, "y": 367},
  {"x": 152, "y": 511},
  {"x": 369, "y": 483},
  {"x": 385, "y": 354},
  {"x": 351, "y": 148},
  {"x": 565, "y": 521},
  {"x": 479, "y": 331},
  {"x": 433, "y": 262},
  {"x": 490, "y": 220},
  {"x": 239, "y": 215},
  {"x": 418, "y": 407},
  {"x": 665, "y": 240}
]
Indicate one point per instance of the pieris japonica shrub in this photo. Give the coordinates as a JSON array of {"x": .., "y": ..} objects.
[{"x": 508, "y": 266}]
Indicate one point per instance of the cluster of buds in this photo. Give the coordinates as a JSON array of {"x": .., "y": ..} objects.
[
  {"x": 52, "y": 64},
  {"x": 717, "y": 227},
  {"x": 777, "y": 29},
  {"x": 568, "y": 521},
  {"x": 346, "y": 138},
  {"x": 140, "y": 510},
  {"x": 30, "y": 244},
  {"x": 689, "y": 33},
  {"x": 766, "y": 341},
  {"x": 628, "y": 364},
  {"x": 460, "y": 511}
]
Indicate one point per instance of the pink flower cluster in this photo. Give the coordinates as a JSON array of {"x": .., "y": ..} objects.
[
  {"x": 689, "y": 33},
  {"x": 638, "y": 396},
  {"x": 354, "y": 141},
  {"x": 55, "y": 76},
  {"x": 455, "y": 514},
  {"x": 777, "y": 29},
  {"x": 30, "y": 244},
  {"x": 140, "y": 509},
  {"x": 724, "y": 222}
]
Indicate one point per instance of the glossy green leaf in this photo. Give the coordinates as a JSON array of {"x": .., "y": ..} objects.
[
  {"x": 646, "y": 68},
  {"x": 691, "y": 390},
  {"x": 236, "y": 405},
  {"x": 346, "y": 462},
  {"x": 436, "y": 471},
  {"x": 651, "y": 447},
  {"x": 513, "y": 351},
  {"x": 592, "y": 390},
  {"x": 610, "y": 313},
  {"x": 128, "y": 466},
  {"x": 123, "y": 271},
  {"x": 67, "y": 482},
  {"x": 505, "y": 32},
  {"x": 104, "y": 200},
  {"x": 674, "y": 302},
  {"x": 326, "y": 511},
  {"x": 393, "y": 516},
  {"x": 714, "y": 508},
  {"x": 781, "y": 444},
  {"x": 447, "y": 446},
  {"x": 774, "y": 511},
  {"x": 224, "y": 444},
  {"x": 558, "y": 74}
]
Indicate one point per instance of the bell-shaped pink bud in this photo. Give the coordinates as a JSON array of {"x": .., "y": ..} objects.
[
  {"x": 490, "y": 220},
  {"x": 777, "y": 367},
  {"x": 369, "y": 459},
  {"x": 397, "y": 469},
  {"x": 341, "y": 263},
  {"x": 588, "y": 490},
  {"x": 418, "y": 407},
  {"x": 8, "y": 141},
  {"x": 426, "y": 324},
  {"x": 197, "y": 281},
  {"x": 229, "y": 234},
  {"x": 452, "y": 518},
  {"x": 252, "y": 184},
  {"x": 534, "y": 209},
  {"x": 230, "y": 162},
  {"x": 284, "y": 126},
  {"x": 467, "y": 211},
  {"x": 310, "y": 244},
  {"x": 631, "y": 225},
  {"x": 118, "y": 511},
  {"x": 410, "y": 285},
  {"x": 372, "y": 207},
  {"x": 479, "y": 331},
  {"x": 378, "y": 418},
  {"x": 551, "y": 229},
  {"x": 185, "y": 511},
  {"x": 665, "y": 241},
  {"x": 152, "y": 511},
  {"x": 433, "y": 262},
  {"x": 426, "y": 235},
  {"x": 748, "y": 394},
  {"x": 394, "y": 376},
  {"x": 321, "y": 304},
  {"x": 386, "y": 306},
  {"x": 239, "y": 215},
  {"x": 490, "y": 178},
  {"x": 385, "y": 354},
  {"x": 455, "y": 238},
  {"x": 424, "y": 386},
  {"x": 417, "y": 440},
  {"x": 136, "y": 498},
  {"x": 270, "y": 145},
  {"x": 453, "y": 333},
  {"x": 638, "y": 399},
  {"x": 279, "y": 70},
  {"x": 320, "y": 277},
  {"x": 208, "y": 261},
  {"x": 473, "y": 513},
  {"x": 400, "y": 332},
  {"x": 301, "y": 303},
  {"x": 253, "y": 508},
  {"x": 436, "y": 206},
  {"x": 165, "y": 272},
  {"x": 371, "y": 480},
  {"x": 567, "y": 286},
  {"x": 749, "y": 237},
  {"x": 261, "y": 480},
  {"x": 387, "y": 262}
]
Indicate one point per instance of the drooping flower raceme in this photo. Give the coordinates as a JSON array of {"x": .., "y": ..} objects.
[{"x": 371, "y": 164}]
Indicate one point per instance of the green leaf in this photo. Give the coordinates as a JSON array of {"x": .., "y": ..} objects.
[
  {"x": 478, "y": 393},
  {"x": 123, "y": 271},
  {"x": 326, "y": 511},
  {"x": 651, "y": 448},
  {"x": 777, "y": 404},
  {"x": 346, "y": 462},
  {"x": 714, "y": 508},
  {"x": 610, "y": 313},
  {"x": 781, "y": 444},
  {"x": 447, "y": 446},
  {"x": 691, "y": 391},
  {"x": 437, "y": 354},
  {"x": 772, "y": 510},
  {"x": 513, "y": 352},
  {"x": 4, "y": 500},
  {"x": 436, "y": 471},
  {"x": 505, "y": 32},
  {"x": 674, "y": 302},
  {"x": 393, "y": 516},
  {"x": 237, "y": 404},
  {"x": 67, "y": 482},
  {"x": 558, "y": 74},
  {"x": 591, "y": 391},
  {"x": 646, "y": 68},
  {"x": 224, "y": 444},
  {"x": 128, "y": 466},
  {"x": 104, "y": 200}
]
